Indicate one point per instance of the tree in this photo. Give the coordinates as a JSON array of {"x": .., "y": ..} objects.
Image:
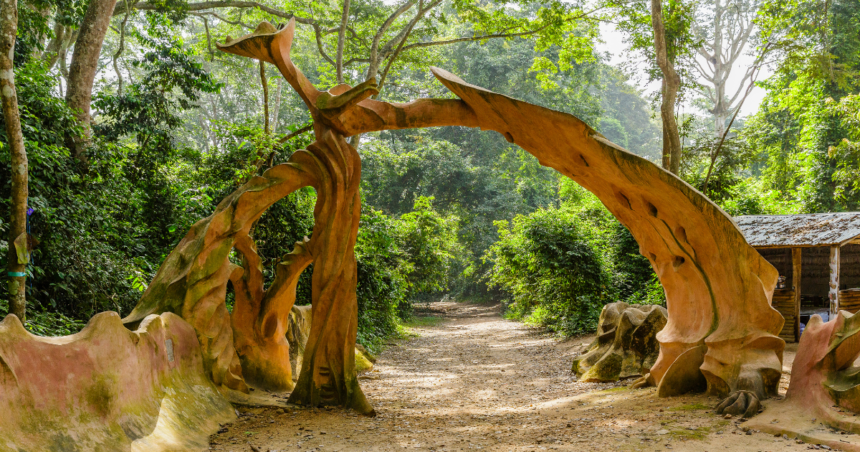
[
  {"x": 817, "y": 51},
  {"x": 18, "y": 239},
  {"x": 361, "y": 42},
  {"x": 670, "y": 86},
  {"x": 667, "y": 42},
  {"x": 82, "y": 72},
  {"x": 721, "y": 46}
]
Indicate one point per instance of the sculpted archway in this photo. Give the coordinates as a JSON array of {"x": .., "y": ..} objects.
[{"x": 721, "y": 334}]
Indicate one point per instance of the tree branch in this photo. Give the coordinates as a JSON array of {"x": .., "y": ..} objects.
[
  {"x": 490, "y": 36},
  {"x": 201, "y": 6},
  {"x": 119, "y": 50},
  {"x": 318, "y": 34},
  {"x": 208, "y": 38},
  {"x": 716, "y": 154},
  {"x": 374, "y": 46},
  {"x": 292, "y": 135},
  {"x": 341, "y": 35},
  {"x": 418, "y": 16}
]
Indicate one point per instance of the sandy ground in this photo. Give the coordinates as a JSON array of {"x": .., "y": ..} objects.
[{"x": 473, "y": 381}]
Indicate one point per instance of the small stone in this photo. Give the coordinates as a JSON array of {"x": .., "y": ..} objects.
[
  {"x": 728, "y": 416},
  {"x": 662, "y": 431}
]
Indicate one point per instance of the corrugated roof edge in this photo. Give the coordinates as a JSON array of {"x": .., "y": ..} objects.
[{"x": 800, "y": 230}]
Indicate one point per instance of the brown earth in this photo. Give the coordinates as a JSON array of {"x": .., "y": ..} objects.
[{"x": 473, "y": 380}]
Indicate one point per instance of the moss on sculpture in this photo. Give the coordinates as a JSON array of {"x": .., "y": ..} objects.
[{"x": 626, "y": 344}]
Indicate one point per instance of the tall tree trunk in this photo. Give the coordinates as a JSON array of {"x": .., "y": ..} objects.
[
  {"x": 82, "y": 71},
  {"x": 276, "y": 108},
  {"x": 671, "y": 85},
  {"x": 265, "y": 84},
  {"x": 18, "y": 252},
  {"x": 52, "y": 50},
  {"x": 720, "y": 75},
  {"x": 341, "y": 36}
]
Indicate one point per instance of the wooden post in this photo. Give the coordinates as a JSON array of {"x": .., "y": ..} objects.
[
  {"x": 796, "y": 276},
  {"x": 834, "y": 280}
]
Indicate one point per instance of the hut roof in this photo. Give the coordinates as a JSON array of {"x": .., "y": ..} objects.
[{"x": 819, "y": 229}]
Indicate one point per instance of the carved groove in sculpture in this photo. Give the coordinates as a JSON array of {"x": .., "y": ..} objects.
[
  {"x": 626, "y": 344},
  {"x": 721, "y": 326}
]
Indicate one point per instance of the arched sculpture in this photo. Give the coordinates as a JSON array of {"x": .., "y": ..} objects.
[
  {"x": 721, "y": 332},
  {"x": 626, "y": 344}
]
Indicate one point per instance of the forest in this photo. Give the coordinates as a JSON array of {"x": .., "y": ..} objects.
[{"x": 124, "y": 125}]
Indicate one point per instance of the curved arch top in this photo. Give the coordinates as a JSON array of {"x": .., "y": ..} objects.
[{"x": 718, "y": 287}]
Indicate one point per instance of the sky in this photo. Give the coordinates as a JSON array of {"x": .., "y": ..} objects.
[{"x": 616, "y": 48}]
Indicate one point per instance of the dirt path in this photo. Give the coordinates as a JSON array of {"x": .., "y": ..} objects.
[{"x": 472, "y": 380}]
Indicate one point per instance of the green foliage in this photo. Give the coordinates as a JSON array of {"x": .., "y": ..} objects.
[
  {"x": 399, "y": 260},
  {"x": 81, "y": 264},
  {"x": 382, "y": 287},
  {"x": 554, "y": 275},
  {"x": 430, "y": 242},
  {"x": 560, "y": 266},
  {"x": 803, "y": 126},
  {"x": 847, "y": 151}
]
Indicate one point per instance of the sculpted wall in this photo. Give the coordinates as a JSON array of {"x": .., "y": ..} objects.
[{"x": 107, "y": 388}]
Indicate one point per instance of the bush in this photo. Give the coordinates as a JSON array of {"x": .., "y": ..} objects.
[
  {"x": 382, "y": 286},
  {"x": 553, "y": 273},
  {"x": 560, "y": 266}
]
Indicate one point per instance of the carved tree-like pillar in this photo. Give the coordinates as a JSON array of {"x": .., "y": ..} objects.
[
  {"x": 327, "y": 375},
  {"x": 192, "y": 281},
  {"x": 260, "y": 318}
]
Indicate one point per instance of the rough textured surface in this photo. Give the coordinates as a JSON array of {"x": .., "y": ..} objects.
[
  {"x": 626, "y": 344},
  {"x": 192, "y": 281},
  {"x": 107, "y": 388},
  {"x": 297, "y": 335},
  {"x": 818, "y": 229}
]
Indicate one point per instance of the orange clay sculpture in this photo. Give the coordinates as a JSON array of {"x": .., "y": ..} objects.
[{"x": 721, "y": 333}]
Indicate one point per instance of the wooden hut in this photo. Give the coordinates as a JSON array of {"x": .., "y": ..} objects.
[{"x": 823, "y": 250}]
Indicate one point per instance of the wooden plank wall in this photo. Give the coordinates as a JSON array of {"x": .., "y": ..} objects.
[
  {"x": 849, "y": 300},
  {"x": 783, "y": 301}
]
